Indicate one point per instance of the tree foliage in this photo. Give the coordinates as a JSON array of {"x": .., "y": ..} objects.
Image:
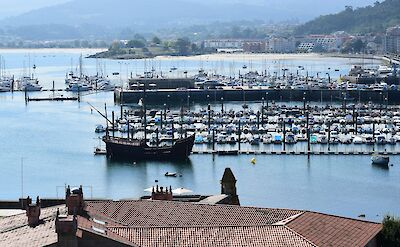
[
  {"x": 391, "y": 232},
  {"x": 182, "y": 46},
  {"x": 156, "y": 40},
  {"x": 136, "y": 43},
  {"x": 374, "y": 18}
]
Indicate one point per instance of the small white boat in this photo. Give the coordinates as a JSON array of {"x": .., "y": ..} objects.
[
  {"x": 357, "y": 140},
  {"x": 382, "y": 160},
  {"x": 171, "y": 174},
  {"x": 4, "y": 89},
  {"x": 78, "y": 87}
]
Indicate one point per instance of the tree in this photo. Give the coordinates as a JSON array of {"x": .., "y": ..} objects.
[
  {"x": 135, "y": 44},
  {"x": 182, "y": 45},
  {"x": 195, "y": 48},
  {"x": 156, "y": 40},
  {"x": 391, "y": 232},
  {"x": 116, "y": 45}
]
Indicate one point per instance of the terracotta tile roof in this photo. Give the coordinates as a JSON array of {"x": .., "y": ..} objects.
[
  {"x": 328, "y": 230},
  {"x": 148, "y": 213},
  {"x": 14, "y": 230},
  {"x": 234, "y": 236},
  {"x": 101, "y": 230}
]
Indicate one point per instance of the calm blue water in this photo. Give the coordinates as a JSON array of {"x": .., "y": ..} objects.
[{"x": 56, "y": 142}]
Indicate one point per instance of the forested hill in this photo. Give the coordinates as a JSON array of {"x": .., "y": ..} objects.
[{"x": 374, "y": 18}]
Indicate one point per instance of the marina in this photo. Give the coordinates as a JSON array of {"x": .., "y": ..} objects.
[{"x": 326, "y": 181}]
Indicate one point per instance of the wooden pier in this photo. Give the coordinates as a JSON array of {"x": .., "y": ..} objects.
[{"x": 54, "y": 99}]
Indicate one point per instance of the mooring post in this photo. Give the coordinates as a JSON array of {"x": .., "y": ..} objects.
[
  {"x": 213, "y": 139},
  {"x": 222, "y": 105},
  {"x": 284, "y": 135},
  {"x": 129, "y": 131},
  {"x": 308, "y": 134},
  {"x": 157, "y": 140},
  {"x": 329, "y": 135},
  {"x": 209, "y": 118},
  {"x": 262, "y": 113},
  {"x": 172, "y": 132},
  {"x": 239, "y": 134},
  {"x": 113, "y": 124}
]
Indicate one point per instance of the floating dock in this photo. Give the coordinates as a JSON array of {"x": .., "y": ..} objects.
[{"x": 253, "y": 152}]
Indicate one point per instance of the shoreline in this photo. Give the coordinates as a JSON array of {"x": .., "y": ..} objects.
[{"x": 52, "y": 50}]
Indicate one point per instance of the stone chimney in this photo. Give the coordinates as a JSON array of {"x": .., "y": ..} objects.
[
  {"x": 74, "y": 200},
  {"x": 228, "y": 186},
  {"x": 66, "y": 228},
  {"x": 33, "y": 212},
  {"x": 161, "y": 195}
]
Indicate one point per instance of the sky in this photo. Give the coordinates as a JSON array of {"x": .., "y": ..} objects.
[{"x": 16, "y": 7}]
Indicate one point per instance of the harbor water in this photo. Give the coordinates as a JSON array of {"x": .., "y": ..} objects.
[{"x": 46, "y": 145}]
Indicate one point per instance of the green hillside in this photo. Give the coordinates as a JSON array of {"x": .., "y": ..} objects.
[{"x": 374, "y": 18}]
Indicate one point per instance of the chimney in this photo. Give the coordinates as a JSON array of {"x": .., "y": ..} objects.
[
  {"x": 33, "y": 212},
  {"x": 74, "y": 200},
  {"x": 161, "y": 195},
  {"x": 228, "y": 186},
  {"x": 66, "y": 228}
]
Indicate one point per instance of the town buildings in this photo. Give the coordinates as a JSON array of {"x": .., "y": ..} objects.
[{"x": 392, "y": 40}]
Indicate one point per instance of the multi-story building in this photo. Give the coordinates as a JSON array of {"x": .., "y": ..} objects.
[
  {"x": 223, "y": 44},
  {"x": 280, "y": 45},
  {"x": 254, "y": 46},
  {"x": 306, "y": 47},
  {"x": 392, "y": 40}
]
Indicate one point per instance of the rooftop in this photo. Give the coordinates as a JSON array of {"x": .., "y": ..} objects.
[{"x": 170, "y": 223}]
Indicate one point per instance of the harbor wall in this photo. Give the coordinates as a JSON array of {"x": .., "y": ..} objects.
[{"x": 220, "y": 95}]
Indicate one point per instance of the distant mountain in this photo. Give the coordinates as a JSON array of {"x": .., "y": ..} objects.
[
  {"x": 85, "y": 18},
  {"x": 373, "y": 18},
  {"x": 164, "y": 12}
]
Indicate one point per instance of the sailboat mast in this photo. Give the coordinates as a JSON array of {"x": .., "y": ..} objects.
[
  {"x": 80, "y": 66},
  {"x": 145, "y": 120}
]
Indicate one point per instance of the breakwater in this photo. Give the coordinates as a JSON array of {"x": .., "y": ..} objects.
[{"x": 168, "y": 96}]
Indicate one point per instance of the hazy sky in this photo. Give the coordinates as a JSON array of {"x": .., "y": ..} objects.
[{"x": 16, "y": 7}]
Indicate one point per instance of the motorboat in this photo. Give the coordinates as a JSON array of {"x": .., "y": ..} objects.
[
  {"x": 78, "y": 87},
  {"x": 170, "y": 174},
  {"x": 381, "y": 140},
  {"x": 29, "y": 84},
  {"x": 290, "y": 138},
  {"x": 381, "y": 160},
  {"x": 4, "y": 89},
  {"x": 100, "y": 129},
  {"x": 323, "y": 139}
]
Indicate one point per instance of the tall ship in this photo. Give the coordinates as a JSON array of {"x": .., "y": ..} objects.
[
  {"x": 130, "y": 148},
  {"x": 138, "y": 149}
]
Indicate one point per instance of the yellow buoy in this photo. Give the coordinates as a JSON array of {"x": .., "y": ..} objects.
[{"x": 253, "y": 161}]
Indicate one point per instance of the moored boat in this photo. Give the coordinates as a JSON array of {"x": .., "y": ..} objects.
[
  {"x": 137, "y": 149},
  {"x": 382, "y": 160}
]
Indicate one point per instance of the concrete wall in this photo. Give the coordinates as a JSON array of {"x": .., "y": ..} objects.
[{"x": 173, "y": 97}]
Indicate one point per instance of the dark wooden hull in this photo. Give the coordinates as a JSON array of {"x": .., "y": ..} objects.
[{"x": 124, "y": 149}]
